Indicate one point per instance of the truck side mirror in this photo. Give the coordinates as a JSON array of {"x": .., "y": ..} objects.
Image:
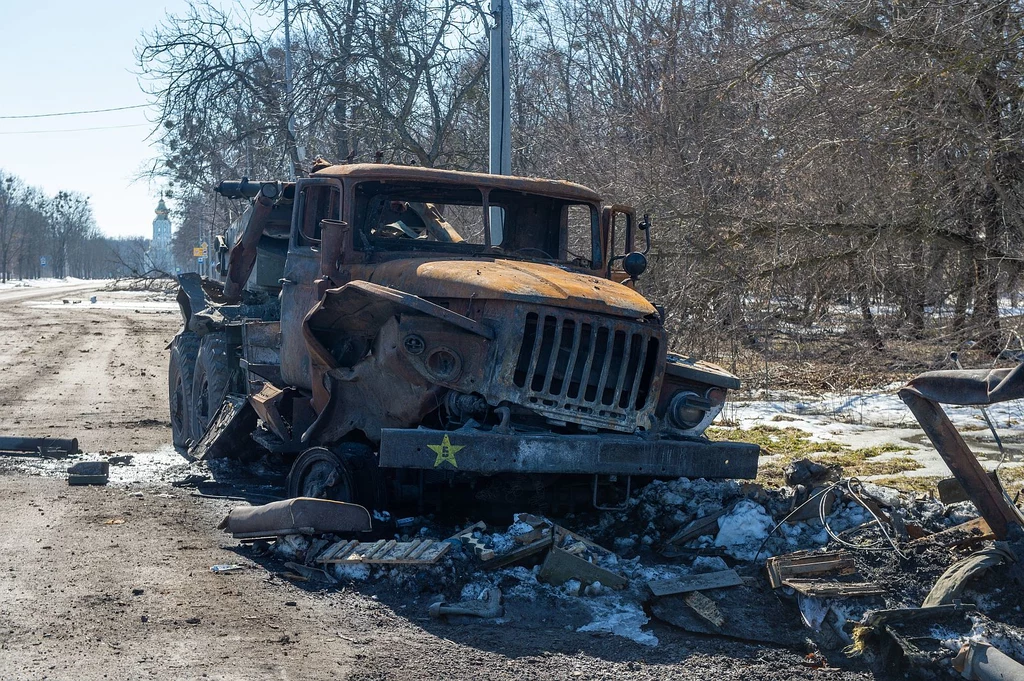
[{"x": 645, "y": 227}]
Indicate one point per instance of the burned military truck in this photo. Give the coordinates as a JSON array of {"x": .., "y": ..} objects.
[{"x": 400, "y": 333}]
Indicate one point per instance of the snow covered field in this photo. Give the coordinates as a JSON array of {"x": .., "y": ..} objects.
[
  {"x": 880, "y": 418},
  {"x": 49, "y": 283}
]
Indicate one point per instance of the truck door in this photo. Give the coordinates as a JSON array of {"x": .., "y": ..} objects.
[{"x": 316, "y": 199}]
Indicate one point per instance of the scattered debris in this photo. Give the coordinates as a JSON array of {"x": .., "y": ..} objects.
[
  {"x": 121, "y": 460},
  {"x": 225, "y": 569},
  {"x": 959, "y": 536},
  {"x": 981, "y": 662},
  {"x": 561, "y": 566},
  {"x": 487, "y": 606},
  {"x": 471, "y": 537},
  {"x": 310, "y": 573},
  {"x": 744, "y": 612},
  {"x": 42, "y": 446},
  {"x": 385, "y": 552},
  {"x": 951, "y": 584},
  {"x": 797, "y": 565},
  {"x": 89, "y": 473},
  {"x": 301, "y": 515},
  {"x": 711, "y": 580}
]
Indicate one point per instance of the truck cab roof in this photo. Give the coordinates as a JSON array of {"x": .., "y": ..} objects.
[{"x": 383, "y": 172}]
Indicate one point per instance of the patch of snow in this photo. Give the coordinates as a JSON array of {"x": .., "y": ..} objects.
[
  {"x": 743, "y": 529},
  {"x": 624, "y": 619},
  {"x": 353, "y": 572},
  {"x": 703, "y": 564}
]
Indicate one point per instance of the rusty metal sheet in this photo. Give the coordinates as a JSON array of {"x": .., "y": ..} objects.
[
  {"x": 488, "y": 452},
  {"x": 520, "y": 281},
  {"x": 227, "y": 434},
  {"x": 395, "y": 173},
  {"x": 991, "y": 501},
  {"x": 970, "y": 386}
]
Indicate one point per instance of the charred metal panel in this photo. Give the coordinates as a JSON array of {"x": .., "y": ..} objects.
[
  {"x": 987, "y": 495},
  {"x": 382, "y": 391},
  {"x": 572, "y": 367},
  {"x": 385, "y": 172},
  {"x": 488, "y": 452},
  {"x": 243, "y": 255},
  {"x": 513, "y": 280},
  {"x": 298, "y": 296}
]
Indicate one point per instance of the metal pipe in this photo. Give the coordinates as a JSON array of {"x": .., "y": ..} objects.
[
  {"x": 990, "y": 500},
  {"x": 500, "y": 36},
  {"x": 982, "y": 662},
  {"x": 487, "y": 607},
  {"x": 36, "y": 444}
]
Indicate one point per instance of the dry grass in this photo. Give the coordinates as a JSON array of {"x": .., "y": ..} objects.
[{"x": 784, "y": 445}]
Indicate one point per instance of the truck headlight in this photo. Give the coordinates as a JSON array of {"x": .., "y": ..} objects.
[{"x": 687, "y": 409}]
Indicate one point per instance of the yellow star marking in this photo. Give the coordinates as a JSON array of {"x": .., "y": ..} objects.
[{"x": 445, "y": 452}]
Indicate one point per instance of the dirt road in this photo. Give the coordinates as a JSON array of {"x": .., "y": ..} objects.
[{"x": 114, "y": 582}]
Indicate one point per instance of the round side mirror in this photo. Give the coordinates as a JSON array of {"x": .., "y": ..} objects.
[{"x": 634, "y": 264}]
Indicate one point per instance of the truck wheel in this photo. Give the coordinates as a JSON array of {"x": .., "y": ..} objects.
[
  {"x": 211, "y": 381},
  {"x": 348, "y": 473},
  {"x": 180, "y": 370}
]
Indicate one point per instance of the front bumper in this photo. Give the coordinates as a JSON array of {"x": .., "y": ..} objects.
[{"x": 487, "y": 452}]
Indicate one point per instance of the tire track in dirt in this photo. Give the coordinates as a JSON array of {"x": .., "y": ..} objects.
[{"x": 81, "y": 372}]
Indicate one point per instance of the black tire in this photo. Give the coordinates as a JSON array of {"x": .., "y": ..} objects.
[
  {"x": 180, "y": 372},
  {"x": 211, "y": 382},
  {"x": 347, "y": 472}
]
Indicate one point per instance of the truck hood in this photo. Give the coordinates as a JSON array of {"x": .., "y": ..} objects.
[{"x": 527, "y": 282}]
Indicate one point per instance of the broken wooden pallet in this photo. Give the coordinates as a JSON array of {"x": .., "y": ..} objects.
[
  {"x": 801, "y": 572},
  {"x": 385, "y": 552},
  {"x": 803, "y": 563},
  {"x": 972, "y": 531}
]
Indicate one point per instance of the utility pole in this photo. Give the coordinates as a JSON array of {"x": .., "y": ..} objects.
[
  {"x": 501, "y": 102},
  {"x": 293, "y": 152}
]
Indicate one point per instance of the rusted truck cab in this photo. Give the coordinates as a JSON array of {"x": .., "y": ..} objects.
[{"x": 446, "y": 327}]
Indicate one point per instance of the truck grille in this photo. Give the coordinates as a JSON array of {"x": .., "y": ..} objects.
[{"x": 597, "y": 373}]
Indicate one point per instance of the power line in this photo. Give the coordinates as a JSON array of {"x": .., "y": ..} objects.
[
  {"x": 46, "y": 132},
  {"x": 74, "y": 113}
]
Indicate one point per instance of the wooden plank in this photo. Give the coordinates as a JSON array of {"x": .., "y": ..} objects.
[
  {"x": 972, "y": 531},
  {"x": 561, "y": 566},
  {"x": 704, "y": 607},
  {"x": 481, "y": 526},
  {"x": 410, "y": 548},
  {"x": 520, "y": 553},
  {"x": 532, "y": 536},
  {"x": 365, "y": 551},
  {"x": 381, "y": 551},
  {"x": 334, "y": 549},
  {"x": 422, "y": 548},
  {"x": 699, "y": 527},
  {"x": 823, "y": 588},
  {"x": 710, "y": 580},
  {"x": 439, "y": 549}
]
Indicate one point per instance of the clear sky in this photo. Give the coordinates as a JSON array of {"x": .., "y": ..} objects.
[{"x": 69, "y": 55}]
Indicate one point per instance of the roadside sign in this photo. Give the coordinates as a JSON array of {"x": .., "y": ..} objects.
[
  {"x": 177, "y": 270},
  {"x": 199, "y": 251},
  {"x": 201, "y": 260},
  {"x": 42, "y": 261}
]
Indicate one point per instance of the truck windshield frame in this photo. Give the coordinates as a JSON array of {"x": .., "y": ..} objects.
[{"x": 450, "y": 218}]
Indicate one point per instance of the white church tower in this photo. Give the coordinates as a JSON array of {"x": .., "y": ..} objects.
[{"x": 160, "y": 247}]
